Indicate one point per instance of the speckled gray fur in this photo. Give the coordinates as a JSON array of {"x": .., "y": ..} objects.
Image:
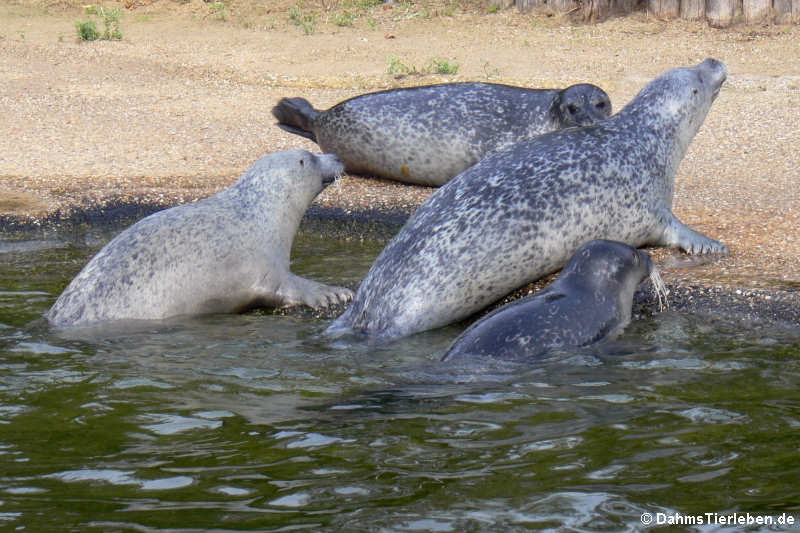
[
  {"x": 427, "y": 135},
  {"x": 519, "y": 214},
  {"x": 589, "y": 302},
  {"x": 225, "y": 253}
]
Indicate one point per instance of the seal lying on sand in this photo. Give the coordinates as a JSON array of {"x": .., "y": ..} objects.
[
  {"x": 427, "y": 135},
  {"x": 223, "y": 254},
  {"x": 590, "y": 301},
  {"x": 519, "y": 214}
]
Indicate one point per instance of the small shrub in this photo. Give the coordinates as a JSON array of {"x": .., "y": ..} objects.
[
  {"x": 398, "y": 68},
  {"x": 305, "y": 21},
  {"x": 442, "y": 66},
  {"x": 344, "y": 18},
  {"x": 220, "y": 10},
  {"x": 87, "y": 30}
]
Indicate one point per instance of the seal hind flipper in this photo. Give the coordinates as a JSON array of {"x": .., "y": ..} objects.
[
  {"x": 296, "y": 115},
  {"x": 676, "y": 234}
]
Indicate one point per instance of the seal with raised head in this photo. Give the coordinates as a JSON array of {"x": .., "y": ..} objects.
[
  {"x": 427, "y": 135},
  {"x": 589, "y": 302},
  {"x": 519, "y": 214},
  {"x": 226, "y": 253}
]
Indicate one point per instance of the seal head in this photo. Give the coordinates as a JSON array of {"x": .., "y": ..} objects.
[{"x": 589, "y": 302}]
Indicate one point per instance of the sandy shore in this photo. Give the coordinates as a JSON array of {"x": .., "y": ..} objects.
[{"x": 181, "y": 106}]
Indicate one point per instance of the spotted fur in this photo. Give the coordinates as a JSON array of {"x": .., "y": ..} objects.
[
  {"x": 427, "y": 135},
  {"x": 221, "y": 254}
]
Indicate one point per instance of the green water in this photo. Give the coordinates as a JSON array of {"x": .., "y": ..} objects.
[{"x": 252, "y": 423}]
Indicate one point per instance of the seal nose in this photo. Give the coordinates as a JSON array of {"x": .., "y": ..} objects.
[{"x": 717, "y": 70}]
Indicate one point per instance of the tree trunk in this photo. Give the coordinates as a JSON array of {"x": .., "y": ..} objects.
[
  {"x": 719, "y": 13},
  {"x": 502, "y": 4},
  {"x": 755, "y": 11},
  {"x": 663, "y": 9},
  {"x": 693, "y": 9},
  {"x": 783, "y": 11},
  {"x": 796, "y": 11}
]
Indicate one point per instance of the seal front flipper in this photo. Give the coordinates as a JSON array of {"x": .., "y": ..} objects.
[
  {"x": 296, "y": 115},
  {"x": 295, "y": 290},
  {"x": 676, "y": 234}
]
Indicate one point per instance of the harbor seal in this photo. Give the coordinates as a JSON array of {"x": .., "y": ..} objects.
[
  {"x": 226, "y": 253},
  {"x": 589, "y": 302},
  {"x": 519, "y": 214},
  {"x": 427, "y": 135}
]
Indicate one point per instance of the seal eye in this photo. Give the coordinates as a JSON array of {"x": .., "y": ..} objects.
[
  {"x": 302, "y": 163},
  {"x": 600, "y": 105},
  {"x": 572, "y": 109},
  {"x": 695, "y": 91}
]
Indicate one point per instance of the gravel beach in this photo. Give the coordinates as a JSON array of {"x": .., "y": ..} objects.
[{"x": 180, "y": 107}]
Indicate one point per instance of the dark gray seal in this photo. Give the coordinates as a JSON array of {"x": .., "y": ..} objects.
[
  {"x": 427, "y": 135},
  {"x": 589, "y": 302},
  {"x": 223, "y": 254},
  {"x": 521, "y": 213}
]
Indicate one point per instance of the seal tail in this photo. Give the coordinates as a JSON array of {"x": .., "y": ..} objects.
[{"x": 296, "y": 115}]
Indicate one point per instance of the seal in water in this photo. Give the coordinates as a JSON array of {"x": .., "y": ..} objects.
[
  {"x": 519, "y": 214},
  {"x": 226, "y": 253},
  {"x": 427, "y": 135},
  {"x": 590, "y": 301}
]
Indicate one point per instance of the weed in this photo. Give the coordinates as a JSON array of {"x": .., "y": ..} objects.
[
  {"x": 366, "y": 5},
  {"x": 494, "y": 9},
  {"x": 344, "y": 18},
  {"x": 87, "y": 30},
  {"x": 442, "y": 66},
  {"x": 490, "y": 72},
  {"x": 305, "y": 21},
  {"x": 220, "y": 10},
  {"x": 398, "y": 68}
]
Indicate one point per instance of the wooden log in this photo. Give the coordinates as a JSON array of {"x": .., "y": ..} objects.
[
  {"x": 562, "y": 6},
  {"x": 663, "y": 9},
  {"x": 719, "y": 13},
  {"x": 756, "y": 11},
  {"x": 594, "y": 10},
  {"x": 527, "y": 5},
  {"x": 693, "y": 9}
]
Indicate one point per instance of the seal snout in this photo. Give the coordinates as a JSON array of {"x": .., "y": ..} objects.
[
  {"x": 717, "y": 73},
  {"x": 332, "y": 168}
]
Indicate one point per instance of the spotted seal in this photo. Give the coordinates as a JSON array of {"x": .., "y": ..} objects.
[
  {"x": 520, "y": 213},
  {"x": 590, "y": 301},
  {"x": 427, "y": 135},
  {"x": 222, "y": 254}
]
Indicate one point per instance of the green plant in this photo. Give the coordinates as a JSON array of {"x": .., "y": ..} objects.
[
  {"x": 305, "y": 21},
  {"x": 366, "y": 5},
  {"x": 344, "y": 18},
  {"x": 398, "y": 68},
  {"x": 490, "y": 72},
  {"x": 220, "y": 10},
  {"x": 494, "y": 9},
  {"x": 87, "y": 30},
  {"x": 442, "y": 66}
]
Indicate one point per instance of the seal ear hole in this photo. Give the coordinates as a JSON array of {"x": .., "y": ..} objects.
[
  {"x": 302, "y": 163},
  {"x": 695, "y": 90}
]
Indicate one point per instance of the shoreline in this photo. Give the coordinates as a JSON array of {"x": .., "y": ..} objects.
[{"x": 776, "y": 306}]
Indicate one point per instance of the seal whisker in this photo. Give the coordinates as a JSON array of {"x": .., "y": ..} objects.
[{"x": 660, "y": 289}]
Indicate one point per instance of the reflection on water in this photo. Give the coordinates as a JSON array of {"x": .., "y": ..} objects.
[{"x": 254, "y": 422}]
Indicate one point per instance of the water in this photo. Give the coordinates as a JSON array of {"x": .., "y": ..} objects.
[{"x": 252, "y": 423}]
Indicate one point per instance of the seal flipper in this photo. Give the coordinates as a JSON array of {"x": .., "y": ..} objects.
[
  {"x": 295, "y": 290},
  {"x": 296, "y": 115},
  {"x": 676, "y": 234}
]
